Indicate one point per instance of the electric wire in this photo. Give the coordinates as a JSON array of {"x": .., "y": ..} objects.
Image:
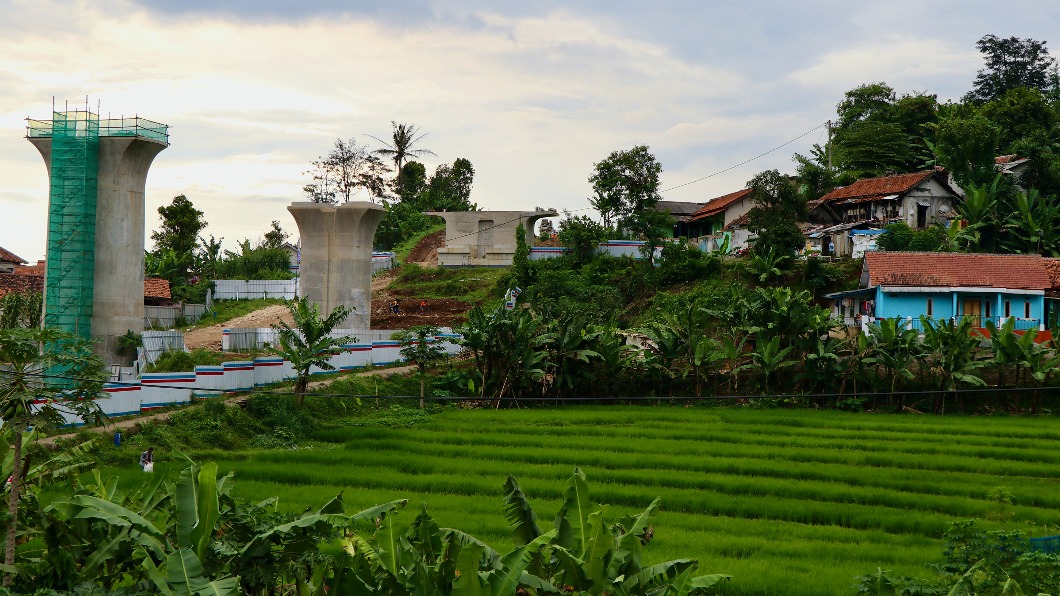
[{"x": 745, "y": 162}]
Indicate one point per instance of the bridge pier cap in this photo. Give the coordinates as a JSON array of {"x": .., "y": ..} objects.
[{"x": 336, "y": 265}]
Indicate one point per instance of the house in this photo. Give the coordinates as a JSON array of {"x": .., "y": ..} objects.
[
  {"x": 9, "y": 261},
  {"x": 919, "y": 199},
  {"x": 723, "y": 218},
  {"x": 682, "y": 213},
  {"x": 30, "y": 279},
  {"x": 157, "y": 292},
  {"x": 843, "y": 219},
  {"x": 942, "y": 286}
]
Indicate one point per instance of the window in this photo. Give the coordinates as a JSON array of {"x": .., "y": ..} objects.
[
  {"x": 986, "y": 308},
  {"x": 1026, "y": 310},
  {"x": 1008, "y": 308},
  {"x": 930, "y": 304}
]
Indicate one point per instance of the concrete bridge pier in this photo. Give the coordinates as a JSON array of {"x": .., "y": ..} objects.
[{"x": 336, "y": 266}]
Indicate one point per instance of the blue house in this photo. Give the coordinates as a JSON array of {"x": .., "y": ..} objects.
[{"x": 943, "y": 286}]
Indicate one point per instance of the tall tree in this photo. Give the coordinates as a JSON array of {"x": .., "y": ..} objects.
[
  {"x": 966, "y": 146},
  {"x": 450, "y": 187},
  {"x": 181, "y": 224},
  {"x": 275, "y": 237},
  {"x": 411, "y": 182},
  {"x": 626, "y": 191},
  {"x": 402, "y": 145},
  {"x": 72, "y": 378},
  {"x": 346, "y": 170},
  {"x": 778, "y": 208},
  {"x": 1012, "y": 63}
]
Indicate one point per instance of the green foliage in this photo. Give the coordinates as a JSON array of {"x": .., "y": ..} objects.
[
  {"x": 777, "y": 210},
  {"x": 966, "y": 146},
  {"x": 21, "y": 310},
  {"x": 1010, "y": 64},
  {"x": 473, "y": 285},
  {"x": 309, "y": 342},
  {"x": 419, "y": 346},
  {"x": 275, "y": 237},
  {"x": 679, "y": 262},
  {"x": 181, "y": 361},
  {"x": 128, "y": 343},
  {"x": 978, "y": 562},
  {"x": 521, "y": 272},
  {"x": 1033, "y": 225},
  {"x": 179, "y": 229},
  {"x": 873, "y": 149},
  {"x": 899, "y": 236},
  {"x": 250, "y": 262},
  {"x": 626, "y": 192},
  {"x": 581, "y": 235}
]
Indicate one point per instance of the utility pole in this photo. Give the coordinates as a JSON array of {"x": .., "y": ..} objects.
[{"x": 829, "y": 125}]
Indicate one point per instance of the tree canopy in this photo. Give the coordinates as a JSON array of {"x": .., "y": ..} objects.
[
  {"x": 346, "y": 170},
  {"x": 626, "y": 191},
  {"x": 1011, "y": 63},
  {"x": 180, "y": 227}
]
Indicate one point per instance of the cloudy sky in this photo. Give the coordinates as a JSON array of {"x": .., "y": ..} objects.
[{"x": 533, "y": 93}]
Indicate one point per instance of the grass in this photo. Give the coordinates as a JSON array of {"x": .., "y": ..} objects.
[
  {"x": 473, "y": 285},
  {"x": 788, "y": 502},
  {"x": 226, "y": 310},
  {"x": 402, "y": 250}
]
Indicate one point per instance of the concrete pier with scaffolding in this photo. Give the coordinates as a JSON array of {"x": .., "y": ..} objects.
[
  {"x": 336, "y": 265},
  {"x": 97, "y": 171},
  {"x": 484, "y": 238}
]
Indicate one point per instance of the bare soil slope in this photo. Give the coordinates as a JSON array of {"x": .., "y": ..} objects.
[
  {"x": 210, "y": 337},
  {"x": 426, "y": 252}
]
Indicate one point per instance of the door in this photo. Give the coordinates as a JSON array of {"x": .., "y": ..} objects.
[
  {"x": 921, "y": 217},
  {"x": 485, "y": 237},
  {"x": 973, "y": 309}
]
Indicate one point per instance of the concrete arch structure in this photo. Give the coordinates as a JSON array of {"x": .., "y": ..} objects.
[
  {"x": 336, "y": 266},
  {"x": 484, "y": 238}
]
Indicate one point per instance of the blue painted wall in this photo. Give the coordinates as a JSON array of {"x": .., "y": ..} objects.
[{"x": 944, "y": 305}]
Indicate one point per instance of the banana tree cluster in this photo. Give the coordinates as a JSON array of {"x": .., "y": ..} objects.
[{"x": 581, "y": 554}]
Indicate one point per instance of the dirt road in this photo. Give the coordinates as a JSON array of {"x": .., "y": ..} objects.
[
  {"x": 134, "y": 421},
  {"x": 210, "y": 337}
]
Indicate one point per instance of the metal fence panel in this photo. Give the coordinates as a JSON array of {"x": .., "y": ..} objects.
[
  {"x": 242, "y": 289},
  {"x": 156, "y": 342}
]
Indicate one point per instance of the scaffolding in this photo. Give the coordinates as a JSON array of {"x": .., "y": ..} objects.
[
  {"x": 70, "y": 275},
  {"x": 70, "y": 268}
]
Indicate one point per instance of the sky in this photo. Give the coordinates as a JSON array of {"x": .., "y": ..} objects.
[{"x": 532, "y": 93}]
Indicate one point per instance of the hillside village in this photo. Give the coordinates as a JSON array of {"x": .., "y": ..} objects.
[{"x": 836, "y": 379}]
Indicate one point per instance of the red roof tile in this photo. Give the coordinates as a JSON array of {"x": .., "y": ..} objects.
[
  {"x": 35, "y": 270},
  {"x": 739, "y": 222},
  {"x": 1018, "y": 272},
  {"x": 878, "y": 187},
  {"x": 10, "y": 257},
  {"x": 719, "y": 204},
  {"x": 20, "y": 284},
  {"x": 1052, "y": 266},
  {"x": 155, "y": 287}
]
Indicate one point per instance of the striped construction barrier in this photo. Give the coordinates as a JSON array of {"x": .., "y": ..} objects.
[{"x": 159, "y": 390}]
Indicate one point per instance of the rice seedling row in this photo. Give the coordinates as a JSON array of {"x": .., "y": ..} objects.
[{"x": 795, "y": 502}]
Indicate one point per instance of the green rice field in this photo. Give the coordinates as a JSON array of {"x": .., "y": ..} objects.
[{"x": 786, "y": 501}]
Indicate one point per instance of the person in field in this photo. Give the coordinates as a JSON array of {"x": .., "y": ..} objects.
[{"x": 147, "y": 460}]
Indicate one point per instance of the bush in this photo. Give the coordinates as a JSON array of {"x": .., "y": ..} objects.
[
  {"x": 680, "y": 263},
  {"x": 181, "y": 361}
]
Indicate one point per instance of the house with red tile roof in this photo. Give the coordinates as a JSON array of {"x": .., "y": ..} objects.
[
  {"x": 909, "y": 285},
  {"x": 720, "y": 219},
  {"x": 9, "y": 261},
  {"x": 920, "y": 199}
]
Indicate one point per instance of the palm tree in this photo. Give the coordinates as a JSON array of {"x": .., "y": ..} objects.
[{"x": 401, "y": 147}]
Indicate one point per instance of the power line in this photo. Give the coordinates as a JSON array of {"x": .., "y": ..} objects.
[{"x": 742, "y": 163}]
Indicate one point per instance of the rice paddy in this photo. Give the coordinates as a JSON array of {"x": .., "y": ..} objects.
[{"x": 786, "y": 501}]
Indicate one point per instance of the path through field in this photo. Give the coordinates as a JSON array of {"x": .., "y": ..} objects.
[
  {"x": 126, "y": 423},
  {"x": 788, "y": 502}
]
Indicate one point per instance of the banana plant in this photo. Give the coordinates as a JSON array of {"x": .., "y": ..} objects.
[
  {"x": 951, "y": 355},
  {"x": 770, "y": 358},
  {"x": 894, "y": 348}
]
